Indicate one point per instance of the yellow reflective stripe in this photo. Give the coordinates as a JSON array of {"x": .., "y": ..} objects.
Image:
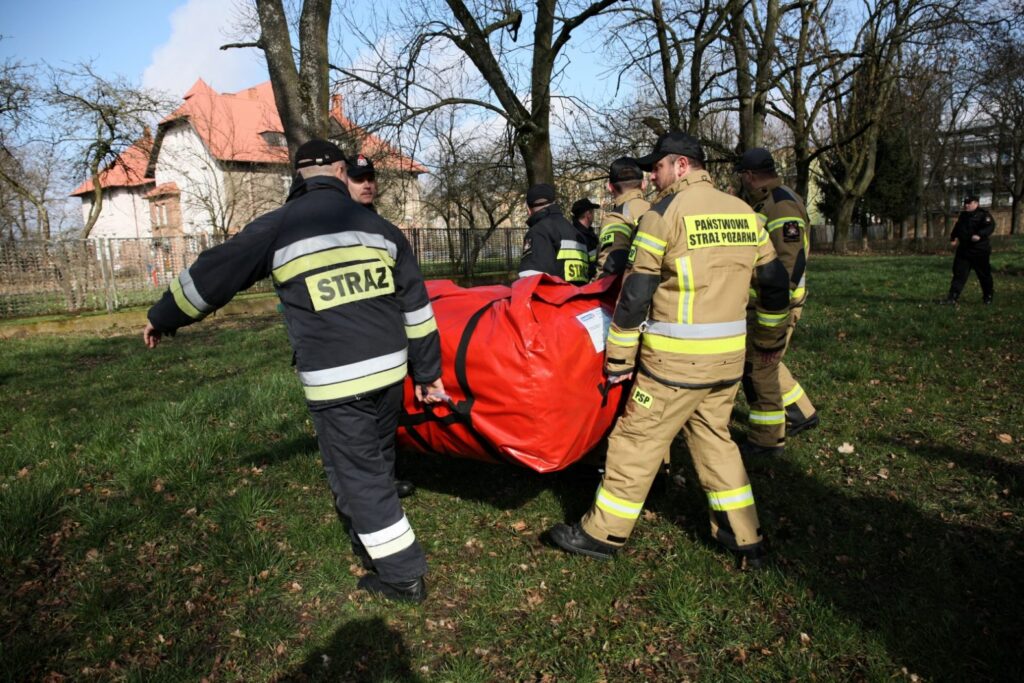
[
  {"x": 762, "y": 238},
  {"x": 772, "y": 319},
  {"x": 353, "y": 387},
  {"x": 732, "y": 499},
  {"x": 571, "y": 254},
  {"x": 627, "y": 338},
  {"x": 684, "y": 266},
  {"x": 768, "y": 417},
  {"x": 620, "y": 507},
  {"x": 330, "y": 257},
  {"x": 696, "y": 347},
  {"x": 420, "y": 330},
  {"x": 183, "y": 303},
  {"x": 797, "y": 293},
  {"x": 650, "y": 243},
  {"x": 778, "y": 222},
  {"x": 620, "y": 228},
  {"x": 793, "y": 395}
]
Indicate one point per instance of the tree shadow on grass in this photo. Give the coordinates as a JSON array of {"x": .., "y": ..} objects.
[
  {"x": 360, "y": 650},
  {"x": 1008, "y": 474}
]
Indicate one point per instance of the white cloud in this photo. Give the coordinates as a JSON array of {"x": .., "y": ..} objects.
[{"x": 198, "y": 29}]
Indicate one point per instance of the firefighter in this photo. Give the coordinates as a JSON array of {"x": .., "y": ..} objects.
[
  {"x": 970, "y": 236},
  {"x": 626, "y": 184},
  {"x": 681, "y": 309},
  {"x": 361, "y": 179},
  {"x": 551, "y": 244},
  {"x": 583, "y": 220},
  {"x": 778, "y": 404},
  {"x": 359, "y": 320}
]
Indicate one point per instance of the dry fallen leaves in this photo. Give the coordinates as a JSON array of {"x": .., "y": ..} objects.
[
  {"x": 519, "y": 526},
  {"x": 1005, "y": 438},
  {"x": 846, "y": 448}
]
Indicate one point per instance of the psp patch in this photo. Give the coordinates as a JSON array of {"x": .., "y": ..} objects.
[
  {"x": 643, "y": 398},
  {"x": 790, "y": 231}
]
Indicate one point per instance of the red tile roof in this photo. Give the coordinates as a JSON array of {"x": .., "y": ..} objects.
[
  {"x": 162, "y": 190},
  {"x": 127, "y": 170}
]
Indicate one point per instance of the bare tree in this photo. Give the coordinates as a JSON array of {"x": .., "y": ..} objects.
[{"x": 19, "y": 94}]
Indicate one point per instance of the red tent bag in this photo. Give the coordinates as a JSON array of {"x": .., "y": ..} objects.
[{"x": 524, "y": 369}]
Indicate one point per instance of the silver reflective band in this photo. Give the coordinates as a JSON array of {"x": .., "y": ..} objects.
[
  {"x": 188, "y": 287},
  {"x": 343, "y": 373},
  {"x": 420, "y": 315},
  {"x": 350, "y": 238},
  {"x": 696, "y": 330},
  {"x": 803, "y": 281},
  {"x": 389, "y": 540},
  {"x": 575, "y": 246},
  {"x": 528, "y": 273}
]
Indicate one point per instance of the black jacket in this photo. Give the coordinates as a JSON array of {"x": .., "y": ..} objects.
[
  {"x": 978, "y": 222},
  {"x": 553, "y": 246},
  {"x": 355, "y": 305}
]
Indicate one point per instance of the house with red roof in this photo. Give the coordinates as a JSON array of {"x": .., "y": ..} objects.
[{"x": 221, "y": 159}]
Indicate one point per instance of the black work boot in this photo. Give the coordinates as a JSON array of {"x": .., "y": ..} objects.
[
  {"x": 749, "y": 449},
  {"x": 794, "y": 428},
  {"x": 402, "y": 591},
  {"x": 751, "y": 558},
  {"x": 573, "y": 539},
  {"x": 404, "y": 488},
  {"x": 987, "y": 300}
]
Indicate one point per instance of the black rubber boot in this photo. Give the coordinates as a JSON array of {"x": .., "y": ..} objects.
[
  {"x": 404, "y": 488},
  {"x": 573, "y": 539},
  {"x": 414, "y": 591},
  {"x": 794, "y": 428},
  {"x": 748, "y": 449},
  {"x": 751, "y": 558}
]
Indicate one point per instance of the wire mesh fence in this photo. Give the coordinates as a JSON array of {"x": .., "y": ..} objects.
[{"x": 72, "y": 276}]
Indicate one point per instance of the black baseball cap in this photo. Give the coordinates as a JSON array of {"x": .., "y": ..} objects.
[
  {"x": 581, "y": 206},
  {"x": 624, "y": 168},
  {"x": 675, "y": 142},
  {"x": 755, "y": 159},
  {"x": 359, "y": 166},
  {"x": 317, "y": 152},
  {"x": 540, "y": 193},
  {"x": 970, "y": 198}
]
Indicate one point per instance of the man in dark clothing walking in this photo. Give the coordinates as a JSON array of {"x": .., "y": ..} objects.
[
  {"x": 970, "y": 236},
  {"x": 583, "y": 220},
  {"x": 551, "y": 245}
]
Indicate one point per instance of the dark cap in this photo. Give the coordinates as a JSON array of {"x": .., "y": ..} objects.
[
  {"x": 624, "y": 168},
  {"x": 581, "y": 206},
  {"x": 540, "y": 193},
  {"x": 675, "y": 142},
  {"x": 317, "y": 152},
  {"x": 971, "y": 198},
  {"x": 755, "y": 159},
  {"x": 359, "y": 166}
]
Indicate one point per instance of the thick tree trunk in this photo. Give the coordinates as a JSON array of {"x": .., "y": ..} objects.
[
  {"x": 536, "y": 152},
  {"x": 844, "y": 218}
]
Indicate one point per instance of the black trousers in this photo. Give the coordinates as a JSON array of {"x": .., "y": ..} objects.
[
  {"x": 963, "y": 262},
  {"x": 357, "y": 446}
]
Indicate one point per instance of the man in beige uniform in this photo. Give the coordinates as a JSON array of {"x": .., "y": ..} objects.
[
  {"x": 626, "y": 183},
  {"x": 682, "y": 307},
  {"x": 774, "y": 396}
]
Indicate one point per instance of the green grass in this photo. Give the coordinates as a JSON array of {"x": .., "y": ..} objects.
[{"x": 164, "y": 517}]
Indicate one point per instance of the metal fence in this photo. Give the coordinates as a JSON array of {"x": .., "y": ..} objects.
[{"x": 71, "y": 276}]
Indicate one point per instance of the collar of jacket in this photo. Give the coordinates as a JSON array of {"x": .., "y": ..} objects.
[
  {"x": 683, "y": 184},
  {"x": 629, "y": 195},
  {"x": 759, "y": 194},
  {"x": 317, "y": 182},
  {"x": 549, "y": 210}
]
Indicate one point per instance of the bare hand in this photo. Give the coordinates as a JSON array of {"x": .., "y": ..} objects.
[
  {"x": 975, "y": 238},
  {"x": 431, "y": 393},
  {"x": 954, "y": 243},
  {"x": 619, "y": 379},
  {"x": 151, "y": 336}
]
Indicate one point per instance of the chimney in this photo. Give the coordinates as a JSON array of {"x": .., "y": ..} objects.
[
  {"x": 336, "y": 106},
  {"x": 147, "y": 134}
]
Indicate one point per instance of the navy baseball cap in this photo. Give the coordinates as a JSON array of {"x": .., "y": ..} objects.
[
  {"x": 317, "y": 152},
  {"x": 675, "y": 142}
]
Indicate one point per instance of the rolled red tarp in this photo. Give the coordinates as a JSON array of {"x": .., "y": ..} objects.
[{"x": 523, "y": 368}]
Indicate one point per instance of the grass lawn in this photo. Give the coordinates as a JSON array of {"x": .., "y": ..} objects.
[{"x": 164, "y": 517}]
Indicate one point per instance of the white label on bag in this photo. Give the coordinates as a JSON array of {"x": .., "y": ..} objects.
[{"x": 597, "y": 321}]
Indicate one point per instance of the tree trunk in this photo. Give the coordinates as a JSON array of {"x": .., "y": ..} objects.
[
  {"x": 844, "y": 218},
  {"x": 1016, "y": 214},
  {"x": 536, "y": 152}
]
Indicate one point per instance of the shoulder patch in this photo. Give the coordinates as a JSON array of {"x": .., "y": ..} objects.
[
  {"x": 790, "y": 231},
  {"x": 662, "y": 206}
]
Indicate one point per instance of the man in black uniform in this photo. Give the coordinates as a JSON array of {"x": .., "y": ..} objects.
[
  {"x": 583, "y": 220},
  {"x": 551, "y": 244},
  {"x": 357, "y": 316},
  {"x": 970, "y": 236}
]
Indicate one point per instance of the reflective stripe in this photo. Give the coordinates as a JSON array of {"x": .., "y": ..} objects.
[
  {"x": 696, "y": 330},
  {"x": 528, "y": 273},
  {"x": 420, "y": 315},
  {"x": 620, "y": 228},
  {"x": 188, "y": 288},
  {"x": 768, "y": 417},
  {"x": 620, "y": 507},
  {"x": 321, "y": 259},
  {"x": 348, "y": 238},
  {"x": 686, "y": 289},
  {"x": 650, "y": 243},
  {"x": 389, "y": 541},
  {"x": 762, "y": 216},
  {"x": 762, "y": 238},
  {"x": 592, "y": 254},
  {"x": 733, "y": 499},
  {"x": 778, "y": 222},
  {"x": 628, "y": 338},
  {"x": 573, "y": 245},
  {"x": 355, "y": 387},
  {"x": 696, "y": 347},
  {"x": 420, "y": 330},
  {"x": 362, "y": 368},
  {"x": 571, "y": 255},
  {"x": 793, "y": 395},
  {"x": 183, "y": 303},
  {"x": 799, "y": 291},
  {"x": 772, "y": 319}
]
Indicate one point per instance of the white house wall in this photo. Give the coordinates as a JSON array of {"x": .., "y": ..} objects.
[
  {"x": 123, "y": 214},
  {"x": 184, "y": 160}
]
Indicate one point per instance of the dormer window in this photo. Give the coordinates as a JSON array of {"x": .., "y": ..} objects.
[{"x": 274, "y": 138}]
